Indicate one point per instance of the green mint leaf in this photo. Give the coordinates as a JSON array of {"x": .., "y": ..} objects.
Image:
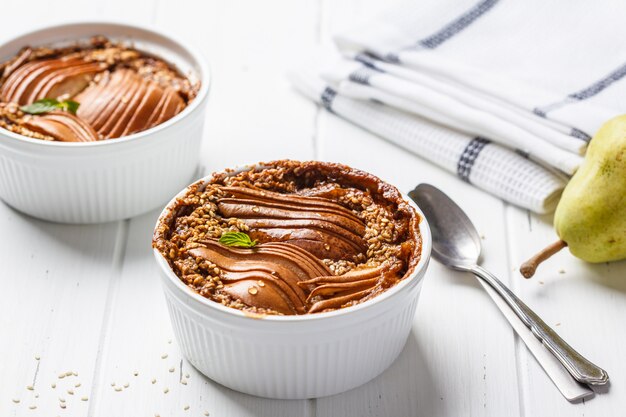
[
  {"x": 238, "y": 239},
  {"x": 47, "y": 105},
  {"x": 69, "y": 105}
]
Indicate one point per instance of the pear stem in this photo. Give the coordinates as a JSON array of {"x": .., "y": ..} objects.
[{"x": 529, "y": 267}]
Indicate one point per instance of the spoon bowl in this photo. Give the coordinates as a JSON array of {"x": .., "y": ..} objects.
[{"x": 455, "y": 240}]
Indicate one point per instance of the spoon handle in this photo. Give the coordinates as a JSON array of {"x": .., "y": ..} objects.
[{"x": 578, "y": 366}]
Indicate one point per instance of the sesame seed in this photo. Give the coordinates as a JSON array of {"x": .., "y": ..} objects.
[
  {"x": 16, "y": 400},
  {"x": 118, "y": 389},
  {"x": 75, "y": 373},
  {"x": 169, "y": 341},
  {"x": 53, "y": 385},
  {"x": 36, "y": 395},
  {"x": 30, "y": 387},
  {"x": 71, "y": 392},
  {"x": 326, "y": 246},
  {"x": 166, "y": 390},
  {"x": 206, "y": 413},
  {"x": 37, "y": 357},
  {"x": 77, "y": 385},
  {"x": 172, "y": 369},
  {"x": 135, "y": 373},
  {"x": 153, "y": 381},
  {"x": 62, "y": 405},
  {"x": 252, "y": 290},
  {"x": 84, "y": 398},
  {"x": 112, "y": 384},
  {"x": 164, "y": 356},
  {"x": 261, "y": 283},
  {"x": 126, "y": 385},
  {"x": 186, "y": 408},
  {"x": 184, "y": 382},
  {"x": 255, "y": 209},
  {"x": 32, "y": 407},
  {"x": 187, "y": 376},
  {"x": 61, "y": 399}
]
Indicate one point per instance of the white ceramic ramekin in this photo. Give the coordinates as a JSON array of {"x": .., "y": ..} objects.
[
  {"x": 294, "y": 357},
  {"x": 113, "y": 179}
]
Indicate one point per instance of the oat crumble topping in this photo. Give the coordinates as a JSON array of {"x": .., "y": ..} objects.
[{"x": 353, "y": 235}]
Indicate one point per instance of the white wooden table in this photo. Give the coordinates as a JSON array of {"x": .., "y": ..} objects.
[{"x": 86, "y": 299}]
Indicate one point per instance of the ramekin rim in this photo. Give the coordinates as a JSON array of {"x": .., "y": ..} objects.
[
  {"x": 425, "y": 253},
  {"x": 205, "y": 73}
]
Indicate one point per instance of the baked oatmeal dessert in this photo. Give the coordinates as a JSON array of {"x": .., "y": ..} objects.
[
  {"x": 89, "y": 91},
  {"x": 289, "y": 237}
]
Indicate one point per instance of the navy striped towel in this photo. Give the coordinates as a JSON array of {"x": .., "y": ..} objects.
[{"x": 533, "y": 80}]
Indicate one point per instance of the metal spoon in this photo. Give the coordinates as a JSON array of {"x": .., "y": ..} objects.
[{"x": 456, "y": 244}]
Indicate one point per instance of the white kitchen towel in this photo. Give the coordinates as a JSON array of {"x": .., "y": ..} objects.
[
  {"x": 550, "y": 72},
  {"x": 485, "y": 164},
  {"x": 536, "y": 140}
]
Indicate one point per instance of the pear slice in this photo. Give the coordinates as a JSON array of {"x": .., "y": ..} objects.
[{"x": 62, "y": 126}]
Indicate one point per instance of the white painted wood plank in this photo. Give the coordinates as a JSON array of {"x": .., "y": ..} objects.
[
  {"x": 20, "y": 17},
  {"x": 584, "y": 303},
  {"x": 53, "y": 289},
  {"x": 460, "y": 358},
  {"x": 253, "y": 115}
]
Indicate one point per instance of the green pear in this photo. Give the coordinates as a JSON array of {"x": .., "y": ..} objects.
[{"x": 590, "y": 218}]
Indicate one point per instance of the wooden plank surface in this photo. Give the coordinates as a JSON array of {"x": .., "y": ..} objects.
[{"x": 86, "y": 298}]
